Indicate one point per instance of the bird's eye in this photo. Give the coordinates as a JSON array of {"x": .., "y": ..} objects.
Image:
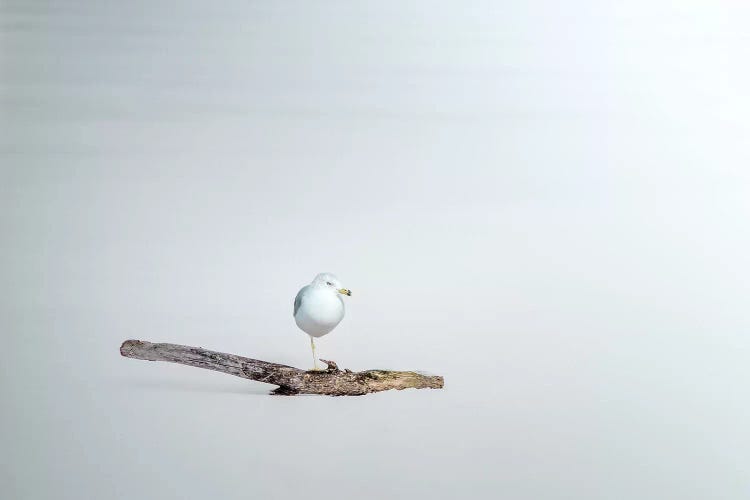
[{"x": 329, "y": 283}]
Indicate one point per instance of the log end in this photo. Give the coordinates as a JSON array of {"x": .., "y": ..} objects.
[{"x": 129, "y": 346}]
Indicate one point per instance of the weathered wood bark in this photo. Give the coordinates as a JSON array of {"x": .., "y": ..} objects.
[{"x": 291, "y": 381}]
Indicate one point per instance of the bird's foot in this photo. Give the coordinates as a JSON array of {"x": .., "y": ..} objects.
[{"x": 332, "y": 367}]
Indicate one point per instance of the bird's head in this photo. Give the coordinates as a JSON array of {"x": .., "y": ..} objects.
[{"x": 328, "y": 280}]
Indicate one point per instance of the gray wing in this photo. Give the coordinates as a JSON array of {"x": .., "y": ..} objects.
[{"x": 298, "y": 299}]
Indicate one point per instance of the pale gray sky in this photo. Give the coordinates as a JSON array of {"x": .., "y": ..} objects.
[{"x": 547, "y": 204}]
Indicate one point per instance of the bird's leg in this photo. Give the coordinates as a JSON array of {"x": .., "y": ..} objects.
[{"x": 315, "y": 359}]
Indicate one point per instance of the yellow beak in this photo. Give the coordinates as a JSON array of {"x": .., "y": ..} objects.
[{"x": 345, "y": 291}]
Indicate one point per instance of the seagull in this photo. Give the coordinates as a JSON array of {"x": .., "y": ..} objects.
[{"x": 318, "y": 308}]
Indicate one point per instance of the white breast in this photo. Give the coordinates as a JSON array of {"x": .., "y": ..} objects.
[{"x": 319, "y": 312}]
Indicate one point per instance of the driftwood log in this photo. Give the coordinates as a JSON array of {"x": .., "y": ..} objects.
[{"x": 291, "y": 381}]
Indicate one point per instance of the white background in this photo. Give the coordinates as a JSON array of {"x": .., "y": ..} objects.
[{"x": 544, "y": 202}]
